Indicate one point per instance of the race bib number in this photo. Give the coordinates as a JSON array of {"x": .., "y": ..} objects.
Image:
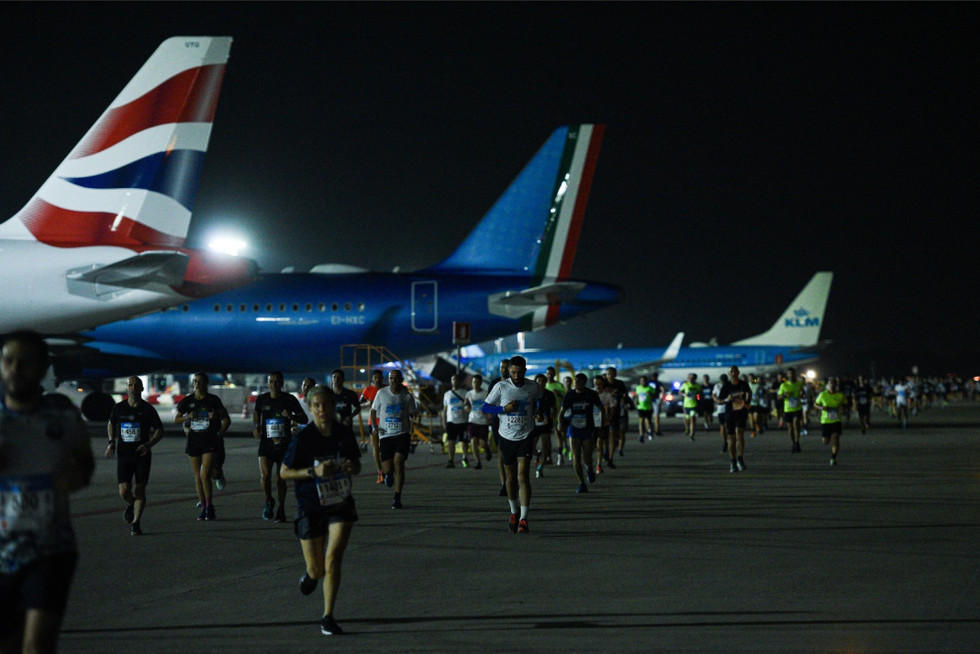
[
  {"x": 26, "y": 503},
  {"x": 580, "y": 422},
  {"x": 200, "y": 424},
  {"x": 794, "y": 402},
  {"x": 129, "y": 432},
  {"x": 862, "y": 400},
  {"x": 393, "y": 425},
  {"x": 517, "y": 421},
  {"x": 832, "y": 415},
  {"x": 275, "y": 428},
  {"x": 642, "y": 397},
  {"x": 333, "y": 490}
]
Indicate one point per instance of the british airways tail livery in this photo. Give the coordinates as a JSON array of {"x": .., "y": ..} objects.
[
  {"x": 510, "y": 274},
  {"x": 792, "y": 341},
  {"x": 102, "y": 239}
]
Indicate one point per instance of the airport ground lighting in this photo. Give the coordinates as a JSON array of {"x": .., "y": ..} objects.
[{"x": 228, "y": 244}]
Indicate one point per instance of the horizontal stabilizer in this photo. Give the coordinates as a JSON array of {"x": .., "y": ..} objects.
[
  {"x": 144, "y": 271},
  {"x": 514, "y": 304}
]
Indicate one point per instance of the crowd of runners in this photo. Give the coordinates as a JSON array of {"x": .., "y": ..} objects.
[{"x": 521, "y": 424}]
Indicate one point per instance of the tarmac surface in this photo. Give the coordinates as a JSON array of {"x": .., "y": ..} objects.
[{"x": 667, "y": 553}]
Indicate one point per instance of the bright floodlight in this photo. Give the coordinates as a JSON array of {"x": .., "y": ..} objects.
[
  {"x": 810, "y": 374},
  {"x": 228, "y": 245}
]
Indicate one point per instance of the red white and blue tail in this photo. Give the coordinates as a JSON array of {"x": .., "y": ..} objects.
[{"x": 131, "y": 181}]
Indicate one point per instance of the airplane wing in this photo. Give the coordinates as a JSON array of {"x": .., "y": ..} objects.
[{"x": 648, "y": 367}]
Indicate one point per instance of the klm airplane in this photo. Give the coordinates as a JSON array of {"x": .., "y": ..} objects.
[
  {"x": 511, "y": 273},
  {"x": 793, "y": 340}
]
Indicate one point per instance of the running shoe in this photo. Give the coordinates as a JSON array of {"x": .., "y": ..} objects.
[
  {"x": 199, "y": 505},
  {"x": 512, "y": 523},
  {"x": 559, "y": 460},
  {"x": 741, "y": 464},
  {"x": 267, "y": 512},
  {"x": 804, "y": 432},
  {"x": 307, "y": 584},
  {"x": 611, "y": 464},
  {"x": 692, "y": 437},
  {"x": 724, "y": 447},
  {"x": 397, "y": 503},
  {"x": 390, "y": 480},
  {"x": 833, "y": 460},
  {"x": 489, "y": 455},
  {"x": 733, "y": 467},
  {"x": 641, "y": 438},
  {"x": 204, "y": 514},
  {"x": 450, "y": 464},
  {"x": 582, "y": 488},
  {"x": 523, "y": 528},
  {"x": 381, "y": 478},
  {"x": 281, "y": 515},
  {"x": 219, "y": 482},
  {"x": 598, "y": 468},
  {"x": 329, "y": 626},
  {"x": 539, "y": 471},
  {"x": 136, "y": 531},
  {"x": 590, "y": 475},
  {"x": 503, "y": 491},
  {"x": 659, "y": 433},
  {"x": 128, "y": 514},
  {"x": 478, "y": 465},
  {"x": 466, "y": 463},
  {"x": 210, "y": 514}
]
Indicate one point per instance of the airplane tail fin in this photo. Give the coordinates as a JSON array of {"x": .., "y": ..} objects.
[
  {"x": 533, "y": 228},
  {"x": 131, "y": 180},
  {"x": 801, "y": 321}
]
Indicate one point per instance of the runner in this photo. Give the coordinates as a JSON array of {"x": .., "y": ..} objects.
[
  {"x": 136, "y": 425},
  {"x": 44, "y": 455},
  {"x": 514, "y": 399},
  {"x": 348, "y": 404},
  {"x": 830, "y": 402},
  {"x": 602, "y": 437},
  {"x": 791, "y": 393},
  {"x": 901, "y": 402},
  {"x": 391, "y": 417},
  {"x": 862, "y": 397},
  {"x": 205, "y": 420},
  {"x": 619, "y": 422},
  {"x": 367, "y": 398},
  {"x": 544, "y": 420},
  {"x": 689, "y": 391},
  {"x": 720, "y": 411},
  {"x": 736, "y": 395},
  {"x": 478, "y": 423},
  {"x": 559, "y": 390},
  {"x": 276, "y": 412},
  {"x": 495, "y": 428},
  {"x": 454, "y": 420},
  {"x": 576, "y": 416},
  {"x": 321, "y": 461},
  {"x": 706, "y": 405},
  {"x": 645, "y": 397}
]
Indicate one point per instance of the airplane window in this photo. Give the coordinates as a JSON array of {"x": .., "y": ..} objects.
[
  {"x": 309, "y": 307},
  {"x": 255, "y": 308},
  {"x": 242, "y": 308},
  {"x": 230, "y": 307},
  {"x": 186, "y": 308},
  {"x": 347, "y": 306},
  {"x": 360, "y": 307},
  {"x": 282, "y": 307},
  {"x": 268, "y": 308},
  {"x": 333, "y": 307},
  {"x": 322, "y": 307},
  {"x": 295, "y": 307},
  {"x": 217, "y": 307}
]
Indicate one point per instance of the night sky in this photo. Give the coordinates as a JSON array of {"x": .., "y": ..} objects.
[{"x": 746, "y": 147}]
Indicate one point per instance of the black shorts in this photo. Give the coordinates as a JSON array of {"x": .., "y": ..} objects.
[
  {"x": 830, "y": 428},
  {"x": 644, "y": 413},
  {"x": 735, "y": 419},
  {"x": 793, "y": 415},
  {"x": 542, "y": 430},
  {"x": 132, "y": 465},
  {"x": 477, "y": 431},
  {"x": 511, "y": 451},
  {"x": 864, "y": 409},
  {"x": 313, "y": 524},
  {"x": 457, "y": 432},
  {"x": 201, "y": 444},
  {"x": 42, "y": 585},
  {"x": 272, "y": 450},
  {"x": 392, "y": 445}
]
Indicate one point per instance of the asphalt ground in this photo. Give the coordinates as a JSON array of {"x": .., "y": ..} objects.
[{"x": 667, "y": 553}]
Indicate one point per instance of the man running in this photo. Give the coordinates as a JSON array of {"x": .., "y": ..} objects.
[
  {"x": 736, "y": 395},
  {"x": 276, "y": 412},
  {"x": 552, "y": 384},
  {"x": 321, "y": 461},
  {"x": 44, "y": 455},
  {"x": 135, "y": 425},
  {"x": 720, "y": 410},
  {"x": 478, "y": 423},
  {"x": 495, "y": 428},
  {"x": 791, "y": 393},
  {"x": 648, "y": 395},
  {"x": 454, "y": 421},
  {"x": 514, "y": 401},
  {"x": 367, "y": 398},
  {"x": 830, "y": 403},
  {"x": 862, "y": 398},
  {"x": 205, "y": 420},
  {"x": 606, "y": 399},
  {"x": 689, "y": 391},
  {"x": 391, "y": 418},
  {"x": 544, "y": 421},
  {"x": 617, "y": 422},
  {"x": 579, "y": 404}
]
